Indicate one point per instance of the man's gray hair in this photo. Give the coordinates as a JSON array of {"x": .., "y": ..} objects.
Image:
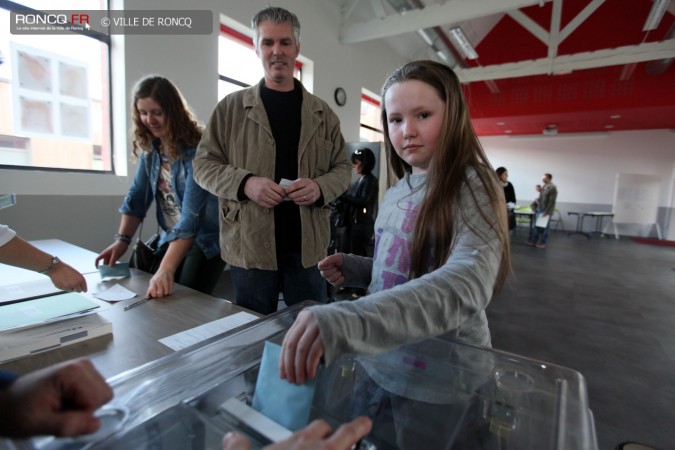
[{"x": 275, "y": 15}]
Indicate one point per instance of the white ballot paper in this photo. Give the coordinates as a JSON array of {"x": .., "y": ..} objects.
[
  {"x": 186, "y": 338},
  {"x": 284, "y": 183},
  {"x": 542, "y": 221}
]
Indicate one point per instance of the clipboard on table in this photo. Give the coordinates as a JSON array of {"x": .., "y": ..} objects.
[{"x": 542, "y": 221}]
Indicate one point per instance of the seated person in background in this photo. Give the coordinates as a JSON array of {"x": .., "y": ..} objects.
[
  {"x": 167, "y": 134},
  {"x": 17, "y": 252},
  {"x": 535, "y": 202}
]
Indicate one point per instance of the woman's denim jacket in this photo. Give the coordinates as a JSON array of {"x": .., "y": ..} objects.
[{"x": 199, "y": 208}]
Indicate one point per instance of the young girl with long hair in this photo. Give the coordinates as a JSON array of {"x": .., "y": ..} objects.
[
  {"x": 165, "y": 137},
  {"x": 441, "y": 237}
]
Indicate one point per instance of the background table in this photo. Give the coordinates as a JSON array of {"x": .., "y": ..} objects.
[
  {"x": 525, "y": 212},
  {"x": 598, "y": 215},
  {"x": 136, "y": 332}
]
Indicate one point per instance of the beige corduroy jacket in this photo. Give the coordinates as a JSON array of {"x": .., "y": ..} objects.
[{"x": 238, "y": 141}]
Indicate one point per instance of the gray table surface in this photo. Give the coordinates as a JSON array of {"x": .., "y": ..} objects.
[{"x": 136, "y": 332}]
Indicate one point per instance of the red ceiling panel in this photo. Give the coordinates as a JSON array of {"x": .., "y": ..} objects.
[{"x": 583, "y": 100}]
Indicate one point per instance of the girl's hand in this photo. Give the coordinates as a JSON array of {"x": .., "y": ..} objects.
[
  {"x": 331, "y": 269},
  {"x": 302, "y": 349}
]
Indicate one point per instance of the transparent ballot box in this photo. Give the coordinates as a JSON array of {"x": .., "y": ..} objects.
[{"x": 436, "y": 394}]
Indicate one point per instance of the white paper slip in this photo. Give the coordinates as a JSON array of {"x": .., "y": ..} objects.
[
  {"x": 284, "y": 183},
  {"x": 542, "y": 221},
  {"x": 115, "y": 294},
  {"x": 192, "y": 336}
]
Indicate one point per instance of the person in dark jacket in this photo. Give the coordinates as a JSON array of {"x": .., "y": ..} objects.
[
  {"x": 509, "y": 194},
  {"x": 360, "y": 202}
]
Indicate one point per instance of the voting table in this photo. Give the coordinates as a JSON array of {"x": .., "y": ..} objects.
[{"x": 136, "y": 332}]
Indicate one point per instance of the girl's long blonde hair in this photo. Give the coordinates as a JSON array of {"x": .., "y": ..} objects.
[{"x": 458, "y": 150}]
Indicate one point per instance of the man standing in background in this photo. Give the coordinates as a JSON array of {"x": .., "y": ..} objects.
[
  {"x": 275, "y": 156},
  {"x": 545, "y": 208}
]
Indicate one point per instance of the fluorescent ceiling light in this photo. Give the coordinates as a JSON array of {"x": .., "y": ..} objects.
[
  {"x": 463, "y": 44},
  {"x": 442, "y": 55},
  {"x": 425, "y": 35},
  {"x": 656, "y": 14}
]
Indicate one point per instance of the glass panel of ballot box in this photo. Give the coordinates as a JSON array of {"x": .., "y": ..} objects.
[{"x": 436, "y": 394}]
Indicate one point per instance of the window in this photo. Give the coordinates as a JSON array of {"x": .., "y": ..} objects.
[
  {"x": 54, "y": 95},
  {"x": 371, "y": 124},
  {"x": 238, "y": 65}
]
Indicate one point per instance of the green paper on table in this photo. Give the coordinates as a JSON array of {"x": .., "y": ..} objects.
[
  {"x": 33, "y": 312},
  {"x": 286, "y": 403}
]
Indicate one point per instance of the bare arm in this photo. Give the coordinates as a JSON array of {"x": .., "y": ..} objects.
[
  {"x": 128, "y": 226},
  {"x": 20, "y": 253},
  {"x": 161, "y": 283}
]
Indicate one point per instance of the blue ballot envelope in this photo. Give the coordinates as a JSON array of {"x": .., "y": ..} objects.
[{"x": 286, "y": 403}]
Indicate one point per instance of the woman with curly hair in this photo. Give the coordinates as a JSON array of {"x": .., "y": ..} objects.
[{"x": 165, "y": 138}]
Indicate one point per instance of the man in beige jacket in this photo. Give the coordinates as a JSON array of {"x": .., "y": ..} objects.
[{"x": 275, "y": 156}]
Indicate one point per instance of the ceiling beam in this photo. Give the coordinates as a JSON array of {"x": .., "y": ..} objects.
[
  {"x": 580, "y": 18},
  {"x": 378, "y": 9},
  {"x": 348, "y": 8},
  {"x": 568, "y": 63},
  {"x": 530, "y": 25},
  {"x": 429, "y": 17},
  {"x": 554, "y": 37}
]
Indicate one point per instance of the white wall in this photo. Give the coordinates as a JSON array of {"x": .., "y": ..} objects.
[{"x": 584, "y": 167}]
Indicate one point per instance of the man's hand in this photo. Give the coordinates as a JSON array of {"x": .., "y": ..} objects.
[
  {"x": 264, "y": 192},
  {"x": 58, "y": 400},
  {"x": 304, "y": 192}
]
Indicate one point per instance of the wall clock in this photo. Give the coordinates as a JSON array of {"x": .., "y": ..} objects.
[{"x": 340, "y": 96}]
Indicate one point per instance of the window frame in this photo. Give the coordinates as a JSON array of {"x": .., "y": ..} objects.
[{"x": 104, "y": 39}]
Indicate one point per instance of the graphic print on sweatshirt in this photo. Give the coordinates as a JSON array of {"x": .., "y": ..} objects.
[{"x": 392, "y": 246}]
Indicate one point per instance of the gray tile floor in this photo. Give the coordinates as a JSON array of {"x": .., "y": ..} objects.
[{"x": 605, "y": 308}]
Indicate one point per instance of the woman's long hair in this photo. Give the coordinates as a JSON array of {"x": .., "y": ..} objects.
[
  {"x": 458, "y": 150},
  {"x": 182, "y": 128}
]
